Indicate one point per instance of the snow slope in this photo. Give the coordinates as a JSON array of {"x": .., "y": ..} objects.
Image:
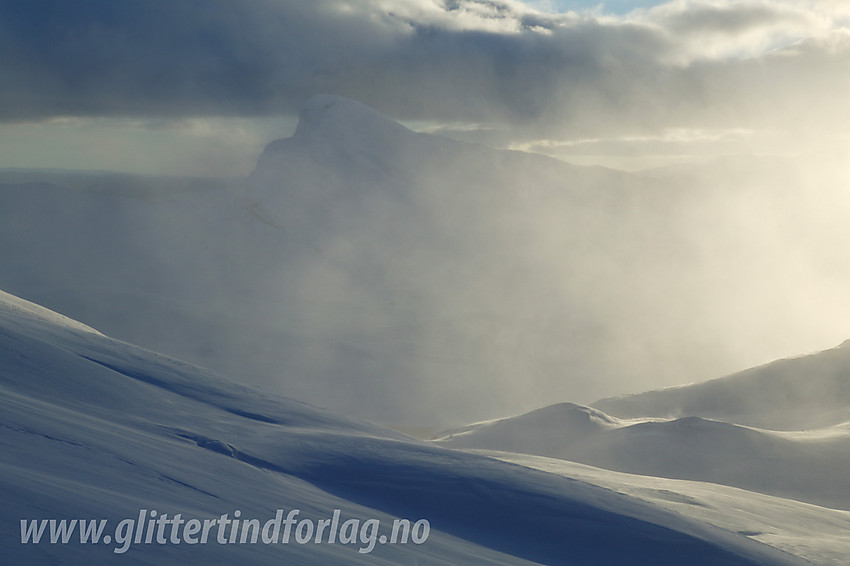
[
  {"x": 803, "y": 392},
  {"x": 96, "y": 428},
  {"x": 814, "y": 533},
  {"x": 807, "y": 466},
  {"x": 17, "y": 306}
]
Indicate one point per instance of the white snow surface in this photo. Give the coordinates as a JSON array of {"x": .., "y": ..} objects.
[
  {"x": 808, "y": 465},
  {"x": 798, "y": 393},
  {"x": 15, "y": 305},
  {"x": 97, "y": 428},
  {"x": 814, "y": 533}
]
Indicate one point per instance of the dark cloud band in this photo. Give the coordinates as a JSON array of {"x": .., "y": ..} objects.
[{"x": 462, "y": 61}]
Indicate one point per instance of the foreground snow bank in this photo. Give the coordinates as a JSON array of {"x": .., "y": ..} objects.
[{"x": 97, "y": 428}]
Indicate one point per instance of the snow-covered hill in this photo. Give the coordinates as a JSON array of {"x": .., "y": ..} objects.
[
  {"x": 796, "y": 393},
  {"x": 95, "y": 428},
  {"x": 807, "y": 466}
]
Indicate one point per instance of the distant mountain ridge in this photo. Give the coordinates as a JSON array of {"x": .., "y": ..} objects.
[
  {"x": 808, "y": 467},
  {"x": 802, "y": 392},
  {"x": 705, "y": 431}
]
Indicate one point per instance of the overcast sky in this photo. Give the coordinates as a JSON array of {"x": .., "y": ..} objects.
[{"x": 180, "y": 86}]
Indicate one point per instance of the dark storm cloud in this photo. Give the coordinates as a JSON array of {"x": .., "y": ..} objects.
[
  {"x": 464, "y": 61},
  {"x": 181, "y": 57},
  {"x": 171, "y": 57}
]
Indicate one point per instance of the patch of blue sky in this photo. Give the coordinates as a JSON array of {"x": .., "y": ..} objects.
[{"x": 606, "y": 7}]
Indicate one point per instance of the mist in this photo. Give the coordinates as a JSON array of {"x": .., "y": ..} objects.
[
  {"x": 510, "y": 281},
  {"x": 420, "y": 281},
  {"x": 416, "y": 279}
]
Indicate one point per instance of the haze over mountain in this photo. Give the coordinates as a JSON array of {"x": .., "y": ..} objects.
[{"x": 417, "y": 280}]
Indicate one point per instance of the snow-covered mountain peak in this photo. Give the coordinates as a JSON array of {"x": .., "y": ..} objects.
[
  {"x": 348, "y": 166},
  {"x": 330, "y": 117},
  {"x": 340, "y": 146}
]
